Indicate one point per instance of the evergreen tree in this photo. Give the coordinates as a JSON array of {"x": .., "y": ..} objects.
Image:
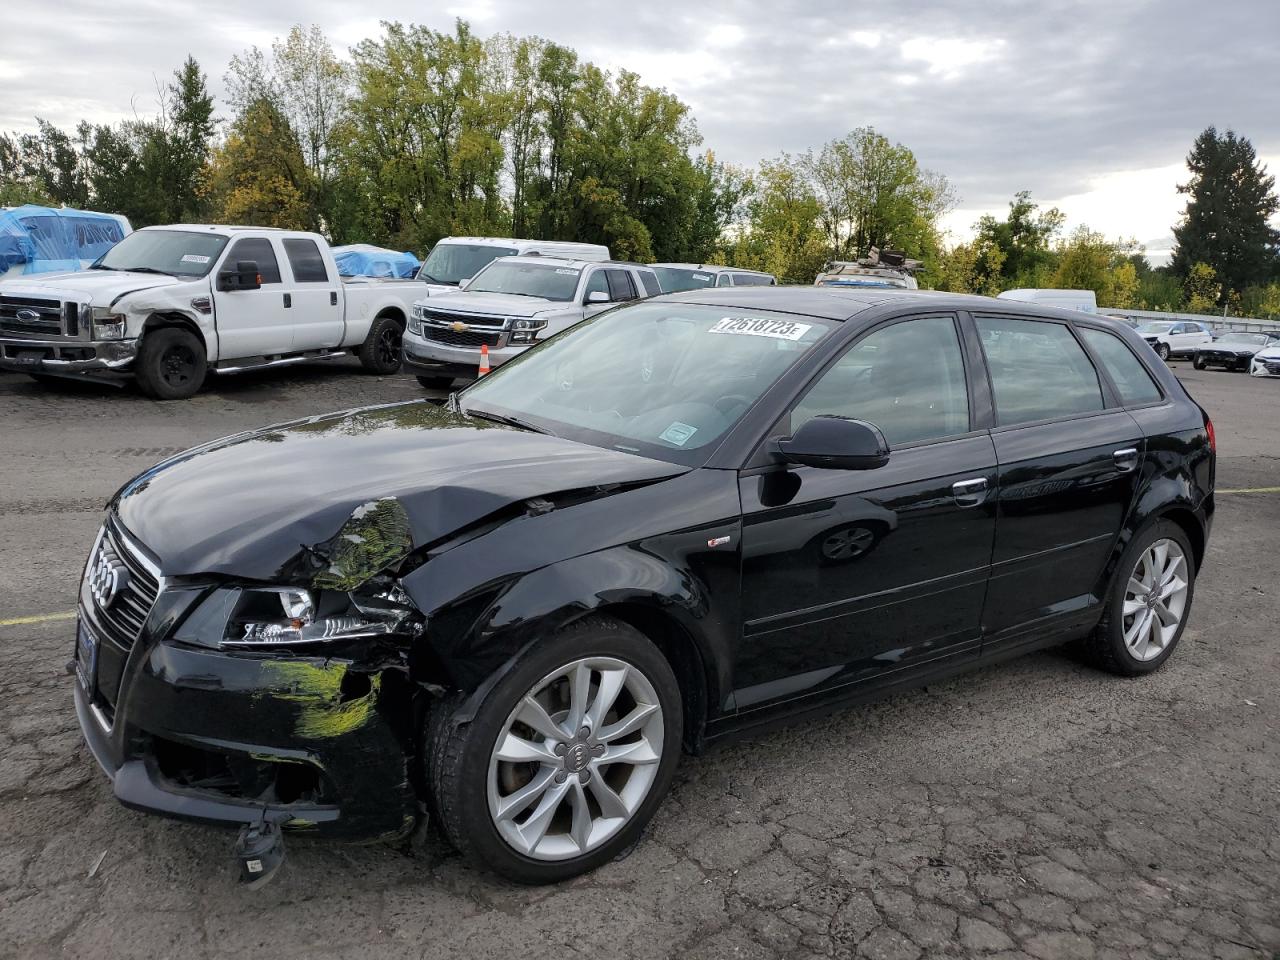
[{"x": 1225, "y": 226}]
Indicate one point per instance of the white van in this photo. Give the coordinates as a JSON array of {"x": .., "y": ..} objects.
[
  {"x": 454, "y": 260},
  {"x": 1082, "y": 300}
]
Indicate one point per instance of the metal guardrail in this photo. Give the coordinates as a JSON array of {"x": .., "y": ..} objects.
[{"x": 1214, "y": 321}]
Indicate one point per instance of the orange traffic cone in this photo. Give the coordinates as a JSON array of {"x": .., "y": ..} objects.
[{"x": 484, "y": 360}]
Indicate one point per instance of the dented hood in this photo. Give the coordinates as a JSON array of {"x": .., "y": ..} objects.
[
  {"x": 99, "y": 287},
  {"x": 264, "y": 505}
]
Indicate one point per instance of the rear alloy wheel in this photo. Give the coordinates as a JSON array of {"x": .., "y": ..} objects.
[
  {"x": 1149, "y": 605},
  {"x": 566, "y": 759},
  {"x": 171, "y": 364},
  {"x": 1162, "y": 349},
  {"x": 380, "y": 352}
]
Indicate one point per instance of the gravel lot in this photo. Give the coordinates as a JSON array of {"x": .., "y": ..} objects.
[{"x": 1034, "y": 809}]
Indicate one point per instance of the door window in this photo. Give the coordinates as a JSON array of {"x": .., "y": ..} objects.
[
  {"x": 650, "y": 281},
  {"x": 595, "y": 284},
  {"x": 907, "y": 379},
  {"x": 259, "y": 250},
  {"x": 1131, "y": 378},
  {"x": 1038, "y": 370},
  {"x": 620, "y": 286},
  {"x": 750, "y": 280},
  {"x": 306, "y": 261},
  {"x": 723, "y": 280}
]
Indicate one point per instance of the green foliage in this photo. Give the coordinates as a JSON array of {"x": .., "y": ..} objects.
[
  {"x": 782, "y": 236},
  {"x": 1088, "y": 261},
  {"x": 1226, "y": 223},
  {"x": 1025, "y": 238},
  {"x": 1201, "y": 288},
  {"x": 260, "y": 176},
  {"x": 969, "y": 268}
]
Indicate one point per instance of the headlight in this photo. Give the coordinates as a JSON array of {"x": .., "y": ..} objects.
[
  {"x": 291, "y": 616},
  {"x": 526, "y": 331},
  {"x": 106, "y": 325},
  {"x": 415, "y": 320}
]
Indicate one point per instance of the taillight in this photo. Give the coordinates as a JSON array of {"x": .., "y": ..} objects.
[{"x": 1213, "y": 437}]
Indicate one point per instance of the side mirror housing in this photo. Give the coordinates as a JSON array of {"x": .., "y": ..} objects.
[
  {"x": 244, "y": 276},
  {"x": 836, "y": 443},
  {"x": 596, "y": 296}
]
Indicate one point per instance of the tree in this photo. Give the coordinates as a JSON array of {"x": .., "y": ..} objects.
[
  {"x": 260, "y": 175},
  {"x": 1226, "y": 222},
  {"x": 1088, "y": 261},
  {"x": 974, "y": 267},
  {"x": 782, "y": 235},
  {"x": 1201, "y": 289},
  {"x": 1024, "y": 238}
]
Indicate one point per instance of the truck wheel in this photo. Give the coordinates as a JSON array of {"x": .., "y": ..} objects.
[
  {"x": 436, "y": 383},
  {"x": 380, "y": 352},
  {"x": 565, "y": 758},
  {"x": 171, "y": 364},
  {"x": 1162, "y": 349}
]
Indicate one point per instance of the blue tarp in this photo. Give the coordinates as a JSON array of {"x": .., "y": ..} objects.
[
  {"x": 363, "y": 260},
  {"x": 45, "y": 240}
]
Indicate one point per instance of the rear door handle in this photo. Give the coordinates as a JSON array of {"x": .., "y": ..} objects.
[
  {"x": 969, "y": 493},
  {"x": 288, "y": 299},
  {"x": 1126, "y": 459}
]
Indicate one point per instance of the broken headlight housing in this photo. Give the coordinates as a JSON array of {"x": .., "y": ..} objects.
[
  {"x": 249, "y": 617},
  {"x": 106, "y": 325}
]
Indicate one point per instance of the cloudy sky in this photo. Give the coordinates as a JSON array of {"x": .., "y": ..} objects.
[{"x": 1091, "y": 105}]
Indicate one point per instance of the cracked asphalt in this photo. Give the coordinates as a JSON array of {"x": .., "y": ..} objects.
[{"x": 1035, "y": 809}]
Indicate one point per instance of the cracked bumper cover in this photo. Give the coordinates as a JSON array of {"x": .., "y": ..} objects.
[
  {"x": 66, "y": 356},
  {"x": 263, "y": 712}
]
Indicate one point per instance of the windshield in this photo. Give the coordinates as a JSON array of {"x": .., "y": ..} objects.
[
  {"x": 675, "y": 279},
  {"x": 1245, "y": 339},
  {"x": 545, "y": 280},
  {"x": 663, "y": 380},
  {"x": 452, "y": 263},
  {"x": 1155, "y": 328},
  {"x": 179, "y": 253}
]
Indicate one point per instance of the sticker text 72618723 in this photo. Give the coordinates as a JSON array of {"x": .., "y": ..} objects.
[{"x": 760, "y": 327}]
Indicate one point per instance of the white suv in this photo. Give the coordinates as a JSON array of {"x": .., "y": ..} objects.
[{"x": 1175, "y": 338}]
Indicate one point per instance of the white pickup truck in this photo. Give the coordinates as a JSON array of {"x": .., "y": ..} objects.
[{"x": 167, "y": 304}]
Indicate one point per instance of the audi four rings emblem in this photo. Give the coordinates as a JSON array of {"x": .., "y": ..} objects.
[{"x": 107, "y": 578}]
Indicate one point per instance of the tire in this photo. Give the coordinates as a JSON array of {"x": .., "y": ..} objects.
[
  {"x": 171, "y": 364},
  {"x": 380, "y": 352},
  {"x": 436, "y": 383},
  {"x": 1162, "y": 349},
  {"x": 1106, "y": 647},
  {"x": 467, "y": 781},
  {"x": 1198, "y": 362}
]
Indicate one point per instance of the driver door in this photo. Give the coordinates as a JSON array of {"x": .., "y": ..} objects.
[
  {"x": 853, "y": 575},
  {"x": 253, "y": 323}
]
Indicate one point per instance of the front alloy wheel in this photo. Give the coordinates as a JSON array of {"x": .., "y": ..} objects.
[
  {"x": 575, "y": 758},
  {"x": 1163, "y": 350}
]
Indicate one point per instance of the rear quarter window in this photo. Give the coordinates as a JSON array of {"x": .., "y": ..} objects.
[
  {"x": 1131, "y": 378},
  {"x": 306, "y": 261}
]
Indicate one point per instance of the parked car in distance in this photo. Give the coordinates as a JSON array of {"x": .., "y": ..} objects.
[
  {"x": 517, "y": 609},
  {"x": 677, "y": 277},
  {"x": 1175, "y": 338},
  {"x": 1085, "y": 301},
  {"x": 1232, "y": 350},
  {"x": 1266, "y": 362},
  {"x": 455, "y": 260},
  {"x": 510, "y": 305},
  {"x": 168, "y": 304}
]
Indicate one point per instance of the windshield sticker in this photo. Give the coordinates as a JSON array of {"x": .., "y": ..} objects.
[
  {"x": 566, "y": 272},
  {"x": 758, "y": 327},
  {"x": 194, "y": 258},
  {"x": 678, "y": 433},
  {"x": 701, "y": 276}
]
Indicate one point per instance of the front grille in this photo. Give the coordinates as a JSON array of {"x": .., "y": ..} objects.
[
  {"x": 459, "y": 338},
  {"x": 137, "y": 586},
  {"x": 31, "y": 316}
]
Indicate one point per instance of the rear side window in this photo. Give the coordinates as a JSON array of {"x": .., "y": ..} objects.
[
  {"x": 260, "y": 251},
  {"x": 1038, "y": 370},
  {"x": 723, "y": 280},
  {"x": 620, "y": 286},
  {"x": 306, "y": 261},
  {"x": 1131, "y": 378},
  {"x": 650, "y": 281},
  {"x": 751, "y": 280}
]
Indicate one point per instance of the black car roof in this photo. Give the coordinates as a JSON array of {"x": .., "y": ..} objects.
[{"x": 844, "y": 303}]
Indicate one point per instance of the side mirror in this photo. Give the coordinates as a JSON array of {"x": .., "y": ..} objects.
[
  {"x": 245, "y": 276},
  {"x": 596, "y": 296},
  {"x": 836, "y": 443}
]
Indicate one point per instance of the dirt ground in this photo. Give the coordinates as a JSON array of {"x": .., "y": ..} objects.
[{"x": 1037, "y": 809}]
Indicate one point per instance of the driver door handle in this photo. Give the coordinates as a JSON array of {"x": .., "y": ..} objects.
[{"x": 969, "y": 493}]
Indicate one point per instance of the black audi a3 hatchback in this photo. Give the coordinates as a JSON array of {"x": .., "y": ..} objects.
[{"x": 679, "y": 520}]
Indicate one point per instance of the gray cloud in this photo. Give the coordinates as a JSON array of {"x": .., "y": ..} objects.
[{"x": 999, "y": 95}]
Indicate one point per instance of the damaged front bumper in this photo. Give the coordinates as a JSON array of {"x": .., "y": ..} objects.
[
  {"x": 322, "y": 744},
  {"x": 22, "y": 355}
]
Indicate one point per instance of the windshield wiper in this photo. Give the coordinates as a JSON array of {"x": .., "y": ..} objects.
[
  {"x": 423, "y": 275},
  {"x": 98, "y": 266},
  {"x": 163, "y": 273},
  {"x": 508, "y": 420}
]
